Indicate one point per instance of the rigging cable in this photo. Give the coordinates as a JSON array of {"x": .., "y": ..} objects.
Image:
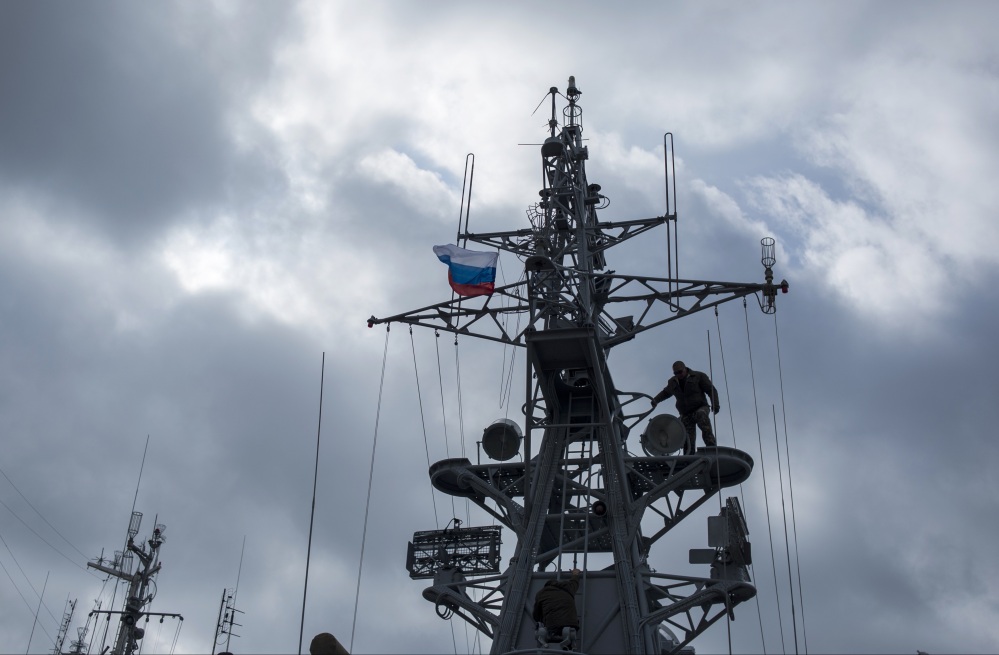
[
  {"x": 16, "y": 588},
  {"x": 787, "y": 545},
  {"x": 423, "y": 423},
  {"x": 40, "y": 514},
  {"x": 371, "y": 476},
  {"x": 731, "y": 418},
  {"x": 506, "y": 373},
  {"x": 36, "y": 615},
  {"x": 763, "y": 469},
  {"x": 312, "y": 515},
  {"x": 239, "y": 572},
  {"x": 107, "y": 623},
  {"x": 176, "y": 637},
  {"x": 794, "y": 523},
  {"x": 714, "y": 420},
  {"x": 447, "y": 447},
  {"x": 714, "y": 417},
  {"x": 440, "y": 381},
  {"x": 461, "y": 428},
  {"x": 76, "y": 564},
  {"x": 461, "y": 418},
  {"x": 461, "y": 414}
]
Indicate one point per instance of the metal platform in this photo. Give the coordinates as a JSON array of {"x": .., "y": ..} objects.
[{"x": 729, "y": 465}]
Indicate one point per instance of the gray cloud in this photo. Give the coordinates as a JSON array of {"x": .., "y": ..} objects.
[
  {"x": 200, "y": 200},
  {"x": 123, "y": 117}
]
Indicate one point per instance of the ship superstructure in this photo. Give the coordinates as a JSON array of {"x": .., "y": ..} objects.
[{"x": 578, "y": 497}]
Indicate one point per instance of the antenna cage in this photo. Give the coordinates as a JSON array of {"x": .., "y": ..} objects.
[{"x": 475, "y": 551}]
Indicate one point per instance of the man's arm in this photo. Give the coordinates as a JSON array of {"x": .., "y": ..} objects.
[
  {"x": 665, "y": 393},
  {"x": 574, "y": 581},
  {"x": 712, "y": 393}
]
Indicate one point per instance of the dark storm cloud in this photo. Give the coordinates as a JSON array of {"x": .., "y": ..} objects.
[
  {"x": 116, "y": 111},
  {"x": 296, "y": 162}
]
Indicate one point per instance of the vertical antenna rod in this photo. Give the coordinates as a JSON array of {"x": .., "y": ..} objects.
[
  {"x": 312, "y": 517},
  {"x": 135, "y": 498}
]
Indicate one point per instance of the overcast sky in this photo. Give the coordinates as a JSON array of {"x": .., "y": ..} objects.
[{"x": 198, "y": 200}]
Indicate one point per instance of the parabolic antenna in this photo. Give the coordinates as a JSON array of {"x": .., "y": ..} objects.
[
  {"x": 664, "y": 435},
  {"x": 501, "y": 440}
]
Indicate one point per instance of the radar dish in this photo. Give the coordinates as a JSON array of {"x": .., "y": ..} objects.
[
  {"x": 501, "y": 440},
  {"x": 664, "y": 435}
]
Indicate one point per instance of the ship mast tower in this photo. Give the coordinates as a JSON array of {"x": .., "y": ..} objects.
[{"x": 579, "y": 495}]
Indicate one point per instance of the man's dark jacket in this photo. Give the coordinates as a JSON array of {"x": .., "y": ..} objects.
[
  {"x": 555, "y": 604},
  {"x": 690, "y": 392}
]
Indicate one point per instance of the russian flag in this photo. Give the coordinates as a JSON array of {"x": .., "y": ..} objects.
[{"x": 469, "y": 273}]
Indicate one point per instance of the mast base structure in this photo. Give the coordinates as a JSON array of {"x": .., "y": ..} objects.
[{"x": 579, "y": 494}]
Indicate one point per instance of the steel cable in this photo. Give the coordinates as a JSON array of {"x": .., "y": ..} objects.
[
  {"x": 763, "y": 470},
  {"x": 731, "y": 418},
  {"x": 794, "y": 523},
  {"x": 371, "y": 475}
]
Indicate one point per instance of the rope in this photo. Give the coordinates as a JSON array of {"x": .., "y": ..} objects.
[
  {"x": 461, "y": 414},
  {"x": 371, "y": 475},
  {"x": 711, "y": 373},
  {"x": 35, "y": 509},
  {"x": 423, "y": 423},
  {"x": 714, "y": 418},
  {"x": 506, "y": 372},
  {"x": 742, "y": 496},
  {"x": 461, "y": 418},
  {"x": 461, "y": 439},
  {"x": 440, "y": 381},
  {"x": 763, "y": 469},
  {"x": 787, "y": 545},
  {"x": 794, "y": 523}
]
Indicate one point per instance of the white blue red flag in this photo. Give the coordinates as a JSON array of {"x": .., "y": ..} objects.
[{"x": 469, "y": 273}]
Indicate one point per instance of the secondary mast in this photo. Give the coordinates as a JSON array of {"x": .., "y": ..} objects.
[{"x": 139, "y": 579}]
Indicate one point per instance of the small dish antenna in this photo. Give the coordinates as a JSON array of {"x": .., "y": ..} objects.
[
  {"x": 664, "y": 435},
  {"x": 501, "y": 440}
]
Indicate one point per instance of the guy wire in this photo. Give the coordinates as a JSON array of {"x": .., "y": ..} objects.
[
  {"x": 742, "y": 495},
  {"x": 371, "y": 476},
  {"x": 794, "y": 522},
  {"x": 787, "y": 546},
  {"x": 763, "y": 469},
  {"x": 423, "y": 423}
]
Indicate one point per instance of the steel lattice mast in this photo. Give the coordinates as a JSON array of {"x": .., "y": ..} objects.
[
  {"x": 139, "y": 579},
  {"x": 581, "y": 493}
]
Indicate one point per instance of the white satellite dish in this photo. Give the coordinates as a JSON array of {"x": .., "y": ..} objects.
[
  {"x": 664, "y": 435},
  {"x": 501, "y": 440}
]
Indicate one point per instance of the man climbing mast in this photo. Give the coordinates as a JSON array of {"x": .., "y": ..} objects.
[
  {"x": 555, "y": 609},
  {"x": 691, "y": 388}
]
